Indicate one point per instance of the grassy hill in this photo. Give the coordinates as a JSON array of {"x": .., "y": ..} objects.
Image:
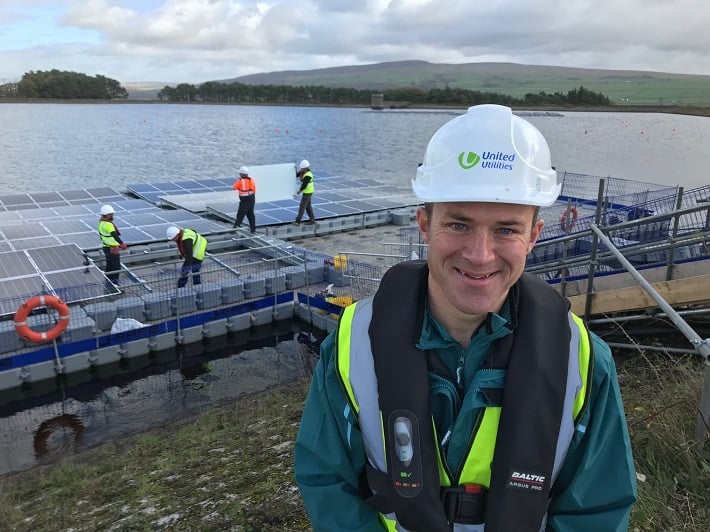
[{"x": 627, "y": 87}]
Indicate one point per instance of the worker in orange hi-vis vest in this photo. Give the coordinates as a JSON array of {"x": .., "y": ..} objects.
[{"x": 246, "y": 187}]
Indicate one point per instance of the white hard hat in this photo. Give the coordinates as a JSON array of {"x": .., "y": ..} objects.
[
  {"x": 244, "y": 170},
  {"x": 304, "y": 164},
  {"x": 172, "y": 232},
  {"x": 106, "y": 209},
  {"x": 487, "y": 155}
]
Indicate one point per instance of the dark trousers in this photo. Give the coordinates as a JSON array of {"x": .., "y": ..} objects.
[
  {"x": 193, "y": 269},
  {"x": 246, "y": 208},
  {"x": 113, "y": 264},
  {"x": 305, "y": 205}
]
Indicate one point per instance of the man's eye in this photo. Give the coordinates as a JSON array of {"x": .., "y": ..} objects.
[{"x": 458, "y": 227}]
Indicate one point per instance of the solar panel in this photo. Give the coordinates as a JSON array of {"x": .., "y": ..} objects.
[
  {"x": 322, "y": 212},
  {"x": 46, "y": 197},
  {"x": 80, "y": 285},
  {"x": 131, "y": 206},
  {"x": 75, "y": 194},
  {"x": 362, "y": 206},
  {"x": 341, "y": 209},
  {"x": 143, "y": 187},
  {"x": 62, "y": 270},
  {"x": 83, "y": 240},
  {"x": 72, "y": 210},
  {"x": 57, "y": 258},
  {"x": 23, "y": 231},
  {"x": 9, "y": 217},
  {"x": 30, "y": 243},
  {"x": 15, "y": 263},
  {"x": 205, "y": 227},
  {"x": 176, "y": 216},
  {"x": 16, "y": 199},
  {"x": 130, "y": 235},
  {"x": 273, "y": 217},
  {"x": 136, "y": 220},
  {"x": 13, "y": 292},
  {"x": 334, "y": 196},
  {"x": 72, "y": 226},
  {"x": 156, "y": 232},
  {"x": 37, "y": 215},
  {"x": 103, "y": 192},
  {"x": 35, "y": 200}
]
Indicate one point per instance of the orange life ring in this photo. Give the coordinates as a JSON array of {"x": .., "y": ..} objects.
[
  {"x": 23, "y": 330},
  {"x": 566, "y": 225}
]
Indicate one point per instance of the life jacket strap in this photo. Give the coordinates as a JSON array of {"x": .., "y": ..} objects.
[
  {"x": 465, "y": 504},
  {"x": 376, "y": 490}
]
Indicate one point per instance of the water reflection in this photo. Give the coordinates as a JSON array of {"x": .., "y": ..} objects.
[{"x": 59, "y": 417}]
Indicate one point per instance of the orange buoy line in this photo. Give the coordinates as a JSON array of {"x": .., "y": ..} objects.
[{"x": 23, "y": 330}]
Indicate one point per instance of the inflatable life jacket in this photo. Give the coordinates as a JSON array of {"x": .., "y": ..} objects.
[{"x": 502, "y": 485}]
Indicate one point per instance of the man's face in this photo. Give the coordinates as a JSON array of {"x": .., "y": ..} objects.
[{"x": 476, "y": 253}]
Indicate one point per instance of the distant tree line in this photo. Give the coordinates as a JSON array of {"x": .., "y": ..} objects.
[
  {"x": 217, "y": 92},
  {"x": 63, "y": 85}
]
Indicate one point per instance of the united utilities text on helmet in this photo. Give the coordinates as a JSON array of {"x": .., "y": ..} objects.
[{"x": 492, "y": 160}]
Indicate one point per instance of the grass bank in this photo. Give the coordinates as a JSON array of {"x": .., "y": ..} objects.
[{"x": 231, "y": 468}]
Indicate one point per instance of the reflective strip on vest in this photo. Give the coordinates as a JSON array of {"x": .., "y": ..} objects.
[
  {"x": 356, "y": 368},
  {"x": 245, "y": 187},
  {"x": 105, "y": 230},
  {"x": 199, "y": 244}
]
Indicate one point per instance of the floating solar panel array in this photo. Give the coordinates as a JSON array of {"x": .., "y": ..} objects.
[
  {"x": 335, "y": 196},
  {"x": 60, "y": 270},
  {"x": 138, "y": 221},
  {"x": 36, "y": 200},
  {"x": 152, "y": 192}
]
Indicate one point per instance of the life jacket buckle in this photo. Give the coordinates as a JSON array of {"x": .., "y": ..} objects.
[{"x": 465, "y": 503}]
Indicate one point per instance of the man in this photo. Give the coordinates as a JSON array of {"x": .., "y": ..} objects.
[
  {"x": 464, "y": 394},
  {"x": 306, "y": 190},
  {"x": 246, "y": 188},
  {"x": 111, "y": 243},
  {"x": 192, "y": 247}
]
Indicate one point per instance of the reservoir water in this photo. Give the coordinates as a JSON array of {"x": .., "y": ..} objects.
[{"x": 68, "y": 146}]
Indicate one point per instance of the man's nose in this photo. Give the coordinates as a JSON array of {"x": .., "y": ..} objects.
[{"x": 479, "y": 247}]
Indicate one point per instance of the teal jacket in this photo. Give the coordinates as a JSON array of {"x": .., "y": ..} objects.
[{"x": 595, "y": 489}]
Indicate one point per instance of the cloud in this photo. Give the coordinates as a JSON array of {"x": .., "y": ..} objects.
[{"x": 199, "y": 40}]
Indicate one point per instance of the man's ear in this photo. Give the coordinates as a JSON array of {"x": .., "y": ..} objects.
[{"x": 423, "y": 223}]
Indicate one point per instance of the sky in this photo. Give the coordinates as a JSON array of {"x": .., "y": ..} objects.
[{"x": 192, "y": 41}]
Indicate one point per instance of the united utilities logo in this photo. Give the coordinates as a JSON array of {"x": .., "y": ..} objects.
[
  {"x": 468, "y": 160},
  {"x": 491, "y": 160}
]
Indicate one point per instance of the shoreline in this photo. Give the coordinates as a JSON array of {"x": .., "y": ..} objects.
[{"x": 667, "y": 109}]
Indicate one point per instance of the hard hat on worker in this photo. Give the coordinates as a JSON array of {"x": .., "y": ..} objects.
[
  {"x": 304, "y": 164},
  {"x": 244, "y": 170},
  {"x": 172, "y": 232},
  {"x": 106, "y": 209},
  {"x": 487, "y": 155}
]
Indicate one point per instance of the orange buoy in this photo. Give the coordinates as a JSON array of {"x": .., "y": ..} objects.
[
  {"x": 23, "y": 330},
  {"x": 566, "y": 223}
]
